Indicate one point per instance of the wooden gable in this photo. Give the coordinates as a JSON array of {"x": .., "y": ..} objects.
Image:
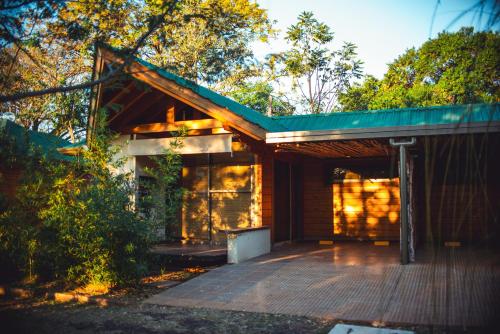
[{"x": 148, "y": 104}]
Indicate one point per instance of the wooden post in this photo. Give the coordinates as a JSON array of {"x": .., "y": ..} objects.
[
  {"x": 209, "y": 199},
  {"x": 403, "y": 191},
  {"x": 171, "y": 114}
]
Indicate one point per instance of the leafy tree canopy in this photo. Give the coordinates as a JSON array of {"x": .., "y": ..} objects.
[
  {"x": 259, "y": 96},
  {"x": 454, "y": 68},
  {"x": 46, "y": 44},
  {"x": 319, "y": 74}
]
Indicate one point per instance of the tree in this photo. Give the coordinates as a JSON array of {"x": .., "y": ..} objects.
[
  {"x": 318, "y": 74},
  {"x": 61, "y": 114},
  {"x": 204, "y": 40},
  {"x": 74, "y": 220},
  {"x": 164, "y": 192},
  {"x": 454, "y": 68},
  {"x": 360, "y": 95},
  {"x": 214, "y": 43},
  {"x": 56, "y": 40},
  {"x": 260, "y": 96}
]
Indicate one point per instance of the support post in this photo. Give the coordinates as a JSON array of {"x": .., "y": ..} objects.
[
  {"x": 209, "y": 199},
  {"x": 403, "y": 194}
]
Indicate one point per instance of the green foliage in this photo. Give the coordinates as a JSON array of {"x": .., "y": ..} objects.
[
  {"x": 214, "y": 43},
  {"x": 258, "y": 96},
  {"x": 50, "y": 44},
  {"x": 318, "y": 73},
  {"x": 164, "y": 192},
  {"x": 90, "y": 234},
  {"x": 76, "y": 221},
  {"x": 359, "y": 96},
  {"x": 454, "y": 68}
]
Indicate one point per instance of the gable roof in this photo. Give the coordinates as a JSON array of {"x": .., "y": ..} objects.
[
  {"x": 220, "y": 107},
  {"x": 265, "y": 122},
  {"x": 376, "y": 123},
  {"x": 26, "y": 142}
]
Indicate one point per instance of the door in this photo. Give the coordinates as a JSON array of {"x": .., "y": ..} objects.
[{"x": 282, "y": 202}]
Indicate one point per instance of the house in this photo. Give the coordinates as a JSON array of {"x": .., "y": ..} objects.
[
  {"x": 311, "y": 177},
  {"x": 17, "y": 143}
]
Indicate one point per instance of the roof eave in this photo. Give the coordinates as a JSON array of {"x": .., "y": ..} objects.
[
  {"x": 382, "y": 132},
  {"x": 167, "y": 86}
]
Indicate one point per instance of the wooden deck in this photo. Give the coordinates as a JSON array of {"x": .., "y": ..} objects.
[
  {"x": 354, "y": 281},
  {"x": 184, "y": 255}
]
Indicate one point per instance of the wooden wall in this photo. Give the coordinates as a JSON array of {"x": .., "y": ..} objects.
[
  {"x": 460, "y": 196},
  {"x": 459, "y": 212},
  {"x": 318, "y": 204},
  {"x": 353, "y": 209},
  {"x": 366, "y": 209},
  {"x": 220, "y": 195},
  {"x": 267, "y": 166}
]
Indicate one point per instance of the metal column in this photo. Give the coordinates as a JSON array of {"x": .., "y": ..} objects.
[{"x": 403, "y": 194}]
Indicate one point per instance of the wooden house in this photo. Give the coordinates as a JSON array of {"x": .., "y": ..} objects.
[
  {"x": 311, "y": 177},
  {"x": 16, "y": 144}
]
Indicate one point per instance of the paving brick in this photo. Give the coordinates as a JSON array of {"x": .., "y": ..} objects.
[{"x": 353, "y": 281}]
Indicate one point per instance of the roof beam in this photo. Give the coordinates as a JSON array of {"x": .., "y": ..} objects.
[
  {"x": 128, "y": 105},
  {"x": 189, "y": 97},
  {"x": 127, "y": 89},
  {"x": 148, "y": 103},
  {"x": 202, "y": 124},
  {"x": 339, "y": 149}
]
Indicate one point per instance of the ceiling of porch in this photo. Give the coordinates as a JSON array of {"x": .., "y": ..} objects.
[{"x": 339, "y": 149}]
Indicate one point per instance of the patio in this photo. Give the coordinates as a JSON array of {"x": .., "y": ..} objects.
[
  {"x": 353, "y": 281},
  {"x": 190, "y": 255}
]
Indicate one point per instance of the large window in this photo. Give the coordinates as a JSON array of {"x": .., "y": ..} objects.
[{"x": 219, "y": 194}]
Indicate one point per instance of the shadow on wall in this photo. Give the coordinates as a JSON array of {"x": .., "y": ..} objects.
[
  {"x": 229, "y": 197},
  {"x": 366, "y": 209},
  {"x": 461, "y": 188}
]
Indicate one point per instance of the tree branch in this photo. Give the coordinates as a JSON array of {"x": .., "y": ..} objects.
[{"x": 155, "y": 23}]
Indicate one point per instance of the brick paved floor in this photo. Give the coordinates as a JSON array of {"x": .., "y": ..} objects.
[{"x": 353, "y": 281}]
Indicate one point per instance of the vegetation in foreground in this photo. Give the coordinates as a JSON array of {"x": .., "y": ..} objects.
[{"x": 75, "y": 220}]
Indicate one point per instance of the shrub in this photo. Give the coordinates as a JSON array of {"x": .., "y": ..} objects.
[
  {"x": 165, "y": 192},
  {"x": 75, "y": 221},
  {"x": 91, "y": 234}
]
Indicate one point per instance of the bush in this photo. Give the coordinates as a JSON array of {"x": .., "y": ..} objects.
[
  {"x": 75, "y": 221},
  {"x": 164, "y": 190},
  {"x": 90, "y": 233}
]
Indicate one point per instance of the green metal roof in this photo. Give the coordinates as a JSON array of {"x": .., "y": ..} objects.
[
  {"x": 248, "y": 114},
  {"x": 78, "y": 144},
  {"x": 25, "y": 141},
  {"x": 423, "y": 116}
]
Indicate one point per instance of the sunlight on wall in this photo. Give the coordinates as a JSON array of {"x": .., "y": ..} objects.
[
  {"x": 366, "y": 208},
  {"x": 230, "y": 200}
]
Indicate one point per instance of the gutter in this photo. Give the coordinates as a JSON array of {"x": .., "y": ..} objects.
[{"x": 382, "y": 132}]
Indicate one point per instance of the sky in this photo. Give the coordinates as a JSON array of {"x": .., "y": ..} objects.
[{"x": 382, "y": 29}]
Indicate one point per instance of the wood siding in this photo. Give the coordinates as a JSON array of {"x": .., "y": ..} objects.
[
  {"x": 353, "y": 209},
  {"x": 463, "y": 212},
  {"x": 219, "y": 197},
  {"x": 267, "y": 192},
  {"x": 318, "y": 204},
  {"x": 366, "y": 209}
]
